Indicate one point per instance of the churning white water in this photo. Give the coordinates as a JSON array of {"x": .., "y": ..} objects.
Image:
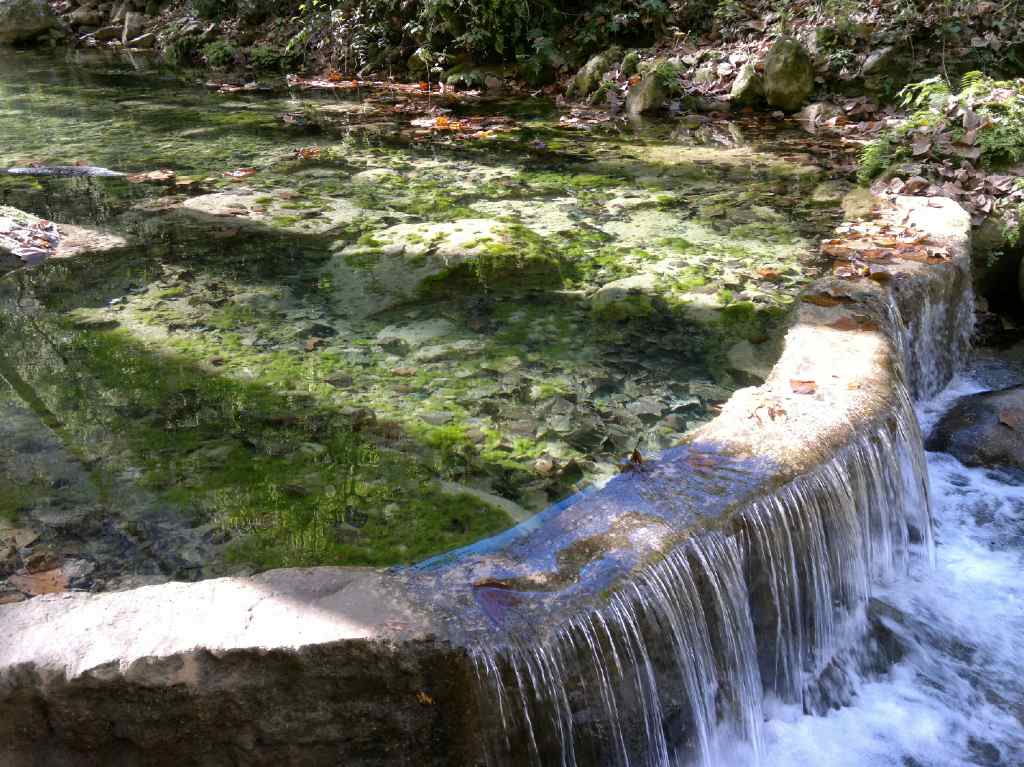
[{"x": 956, "y": 697}]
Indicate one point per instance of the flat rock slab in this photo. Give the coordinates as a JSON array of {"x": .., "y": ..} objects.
[{"x": 28, "y": 239}]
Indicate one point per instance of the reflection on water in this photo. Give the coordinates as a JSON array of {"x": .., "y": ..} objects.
[{"x": 379, "y": 348}]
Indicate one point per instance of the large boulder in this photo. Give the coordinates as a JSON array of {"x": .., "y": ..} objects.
[
  {"x": 788, "y": 75},
  {"x": 984, "y": 429},
  {"x": 747, "y": 88},
  {"x": 24, "y": 20}
]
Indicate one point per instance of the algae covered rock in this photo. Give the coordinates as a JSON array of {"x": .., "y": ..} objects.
[
  {"x": 590, "y": 74},
  {"x": 406, "y": 261},
  {"x": 24, "y": 20},
  {"x": 748, "y": 87},
  {"x": 788, "y": 75},
  {"x": 648, "y": 95},
  {"x": 628, "y": 298}
]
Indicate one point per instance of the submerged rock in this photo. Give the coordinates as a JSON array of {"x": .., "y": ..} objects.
[
  {"x": 405, "y": 261},
  {"x": 984, "y": 429},
  {"x": 628, "y": 298},
  {"x": 24, "y": 20},
  {"x": 788, "y": 75}
]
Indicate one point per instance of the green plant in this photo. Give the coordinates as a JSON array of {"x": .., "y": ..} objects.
[
  {"x": 220, "y": 54},
  {"x": 266, "y": 58},
  {"x": 181, "y": 51},
  {"x": 214, "y": 9}
]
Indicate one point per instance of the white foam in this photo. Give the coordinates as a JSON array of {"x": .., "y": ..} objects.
[{"x": 957, "y": 697}]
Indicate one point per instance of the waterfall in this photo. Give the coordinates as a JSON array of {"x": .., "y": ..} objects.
[
  {"x": 660, "y": 675},
  {"x": 673, "y": 667},
  {"x": 676, "y": 663}
]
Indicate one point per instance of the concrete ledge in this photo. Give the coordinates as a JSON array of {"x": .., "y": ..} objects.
[{"x": 335, "y": 665}]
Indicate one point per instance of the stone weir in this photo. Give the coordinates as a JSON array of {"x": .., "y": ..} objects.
[{"x": 643, "y": 623}]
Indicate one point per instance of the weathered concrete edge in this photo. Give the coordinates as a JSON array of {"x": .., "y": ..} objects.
[{"x": 193, "y": 649}]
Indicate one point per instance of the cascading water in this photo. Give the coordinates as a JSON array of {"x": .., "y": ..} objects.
[
  {"x": 660, "y": 675},
  {"x": 678, "y": 664}
]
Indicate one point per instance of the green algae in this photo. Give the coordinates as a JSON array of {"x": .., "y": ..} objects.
[{"x": 256, "y": 395}]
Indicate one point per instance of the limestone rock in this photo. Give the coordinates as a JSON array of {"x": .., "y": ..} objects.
[
  {"x": 590, "y": 75},
  {"x": 747, "y": 88},
  {"x": 984, "y": 429},
  {"x": 813, "y": 116},
  {"x": 24, "y": 20},
  {"x": 704, "y": 75},
  {"x": 134, "y": 23},
  {"x": 753, "y": 359},
  {"x": 878, "y": 61},
  {"x": 628, "y": 298},
  {"x": 648, "y": 95},
  {"x": 788, "y": 75}
]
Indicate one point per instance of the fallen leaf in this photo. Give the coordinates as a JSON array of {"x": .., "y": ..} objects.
[
  {"x": 424, "y": 699},
  {"x": 802, "y": 386},
  {"x": 1012, "y": 417},
  {"x": 45, "y": 582},
  {"x": 160, "y": 176}
]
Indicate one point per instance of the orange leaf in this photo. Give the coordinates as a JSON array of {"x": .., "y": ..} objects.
[
  {"x": 802, "y": 387},
  {"x": 45, "y": 582}
]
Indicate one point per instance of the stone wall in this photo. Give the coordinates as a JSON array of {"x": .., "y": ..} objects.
[{"x": 359, "y": 667}]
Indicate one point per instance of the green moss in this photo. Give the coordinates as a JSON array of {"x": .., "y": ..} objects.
[{"x": 294, "y": 484}]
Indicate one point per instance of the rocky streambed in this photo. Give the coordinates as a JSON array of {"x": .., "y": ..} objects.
[{"x": 371, "y": 343}]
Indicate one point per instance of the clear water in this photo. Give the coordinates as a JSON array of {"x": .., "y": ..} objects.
[{"x": 382, "y": 349}]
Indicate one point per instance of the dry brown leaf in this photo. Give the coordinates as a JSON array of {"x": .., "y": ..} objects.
[
  {"x": 1012, "y": 417},
  {"x": 161, "y": 176},
  {"x": 800, "y": 386},
  {"x": 424, "y": 699},
  {"x": 45, "y": 582}
]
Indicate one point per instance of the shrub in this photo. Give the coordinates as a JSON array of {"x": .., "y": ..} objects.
[{"x": 220, "y": 54}]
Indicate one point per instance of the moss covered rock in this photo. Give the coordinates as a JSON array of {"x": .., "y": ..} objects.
[
  {"x": 24, "y": 20},
  {"x": 628, "y": 298},
  {"x": 788, "y": 75},
  {"x": 648, "y": 95},
  {"x": 590, "y": 75},
  {"x": 747, "y": 88}
]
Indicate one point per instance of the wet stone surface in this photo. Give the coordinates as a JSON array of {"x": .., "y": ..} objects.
[{"x": 368, "y": 345}]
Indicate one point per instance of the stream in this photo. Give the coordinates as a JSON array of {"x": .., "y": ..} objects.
[
  {"x": 366, "y": 328},
  {"x": 956, "y": 698}
]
